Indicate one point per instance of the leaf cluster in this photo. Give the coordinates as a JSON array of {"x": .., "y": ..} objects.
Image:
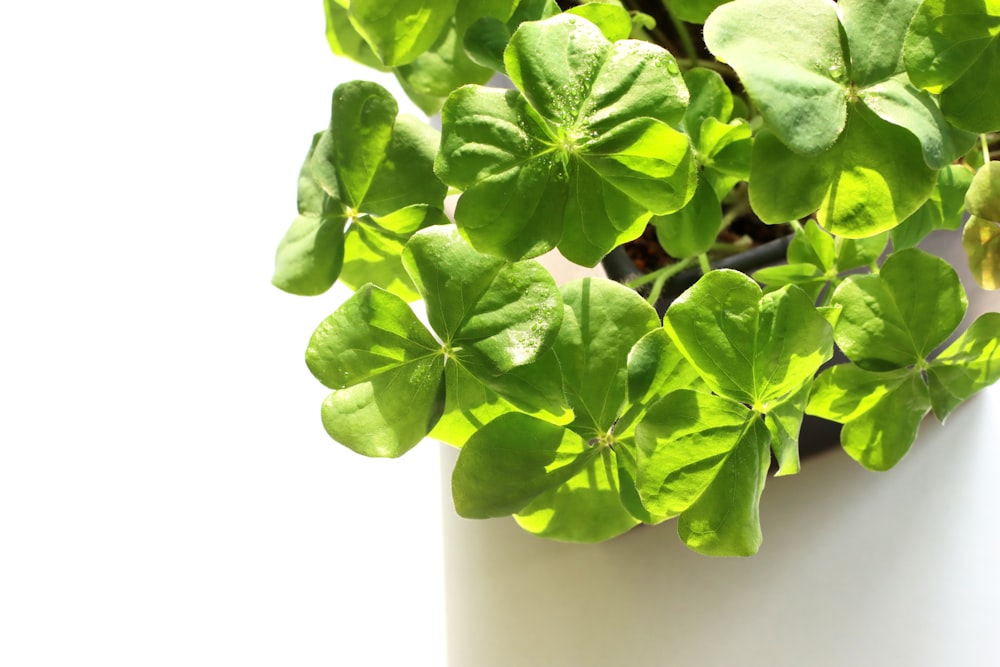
[{"x": 865, "y": 125}]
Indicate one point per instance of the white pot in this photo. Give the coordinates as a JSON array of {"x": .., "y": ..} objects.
[{"x": 857, "y": 568}]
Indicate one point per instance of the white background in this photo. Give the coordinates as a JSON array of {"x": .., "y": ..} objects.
[
  {"x": 168, "y": 496},
  {"x": 167, "y": 493}
]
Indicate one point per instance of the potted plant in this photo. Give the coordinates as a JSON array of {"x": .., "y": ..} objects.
[{"x": 861, "y": 126}]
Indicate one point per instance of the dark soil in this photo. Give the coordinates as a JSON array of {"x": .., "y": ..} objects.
[{"x": 647, "y": 254}]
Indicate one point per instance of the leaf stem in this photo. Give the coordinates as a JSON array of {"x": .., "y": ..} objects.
[
  {"x": 703, "y": 263},
  {"x": 986, "y": 148},
  {"x": 683, "y": 33},
  {"x": 669, "y": 271}
]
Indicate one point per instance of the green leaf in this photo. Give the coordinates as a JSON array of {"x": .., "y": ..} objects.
[
  {"x": 582, "y": 158},
  {"x": 475, "y": 396},
  {"x": 374, "y": 245},
  {"x": 405, "y": 174},
  {"x": 981, "y": 241},
  {"x": 370, "y": 175},
  {"x": 784, "y": 421},
  {"x": 441, "y": 69},
  {"x": 391, "y": 413},
  {"x": 983, "y": 196},
  {"x": 385, "y": 370},
  {"x": 751, "y": 347},
  {"x": 602, "y": 322},
  {"x": 899, "y": 103},
  {"x": 372, "y": 332},
  {"x": 692, "y": 230},
  {"x": 969, "y": 364},
  {"x": 400, "y": 30},
  {"x": 506, "y": 313},
  {"x": 875, "y": 32},
  {"x": 487, "y": 37},
  {"x": 806, "y": 276},
  {"x": 389, "y": 373},
  {"x": 587, "y": 508},
  {"x": 981, "y": 236},
  {"x": 705, "y": 457},
  {"x": 725, "y": 148},
  {"x": 710, "y": 98},
  {"x": 694, "y": 11},
  {"x": 490, "y": 147},
  {"x": 611, "y": 383},
  {"x": 310, "y": 255},
  {"x": 614, "y": 21},
  {"x": 943, "y": 210},
  {"x": 349, "y": 153},
  {"x": 872, "y": 179},
  {"x": 953, "y": 48},
  {"x": 881, "y": 412},
  {"x": 511, "y": 461},
  {"x": 655, "y": 368},
  {"x": 973, "y": 102},
  {"x": 813, "y": 246},
  {"x": 789, "y": 55},
  {"x": 807, "y": 95},
  {"x": 344, "y": 40},
  {"x": 895, "y": 319}
]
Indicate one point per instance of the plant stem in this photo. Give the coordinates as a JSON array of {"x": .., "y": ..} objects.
[
  {"x": 654, "y": 293},
  {"x": 721, "y": 68},
  {"x": 683, "y": 33},
  {"x": 703, "y": 263},
  {"x": 986, "y": 148},
  {"x": 669, "y": 271}
]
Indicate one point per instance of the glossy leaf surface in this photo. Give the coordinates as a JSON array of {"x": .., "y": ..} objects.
[
  {"x": 895, "y": 319},
  {"x": 751, "y": 347},
  {"x": 953, "y": 48},
  {"x": 367, "y": 184},
  {"x": 869, "y": 181},
  {"x": 400, "y": 30},
  {"x": 969, "y": 364},
  {"x": 881, "y": 411},
  {"x": 615, "y": 362},
  {"x": 390, "y": 375},
  {"x": 705, "y": 458},
  {"x": 580, "y": 157}
]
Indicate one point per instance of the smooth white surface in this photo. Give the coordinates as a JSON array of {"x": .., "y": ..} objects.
[
  {"x": 167, "y": 493},
  {"x": 857, "y": 568}
]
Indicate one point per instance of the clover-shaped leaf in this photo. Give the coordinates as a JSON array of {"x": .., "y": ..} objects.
[
  {"x": 400, "y": 30},
  {"x": 705, "y": 458},
  {"x": 390, "y": 375},
  {"x": 896, "y": 318},
  {"x": 850, "y": 105},
  {"x": 889, "y": 324},
  {"x": 750, "y": 347},
  {"x": 579, "y": 156},
  {"x": 881, "y": 411},
  {"x": 616, "y": 362},
  {"x": 367, "y": 184},
  {"x": 953, "y": 48},
  {"x": 816, "y": 260},
  {"x": 344, "y": 40}
]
